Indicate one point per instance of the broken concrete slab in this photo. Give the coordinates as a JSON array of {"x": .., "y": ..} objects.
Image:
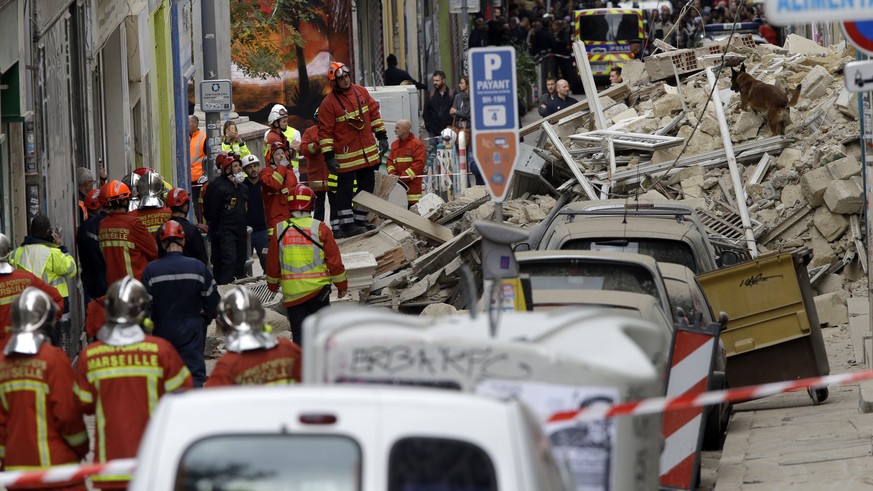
[
  {"x": 822, "y": 252},
  {"x": 831, "y": 309},
  {"x": 831, "y": 225},
  {"x": 403, "y": 217},
  {"x": 816, "y": 181},
  {"x": 829, "y": 283},
  {"x": 796, "y": 44},
  {"x": 789, "y": 158},
  {"x": 792, "y": 195},
  {"x": 845, "y": 196},
  {"x": 746, "y": 127},
  {"x": 847, "y": 103},
  {"x": 816, "y": 83}
]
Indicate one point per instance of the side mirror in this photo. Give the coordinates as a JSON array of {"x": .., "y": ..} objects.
[
  {"x": 521, "y": 247},
  {"x": 728, "y": 258}
]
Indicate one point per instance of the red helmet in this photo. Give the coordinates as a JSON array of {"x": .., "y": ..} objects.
[
  {"x": 337, "y": 70},
  {"x": 171, "y": 229},
  {"x": 143, "y": 170},
  {"x": 276, "y": 145},
  {"x": 302, "y": 198},
  {"x": 92, "y": 200},
  {"x": 224, "y": 160},
  {"x": 177, "y": 197},
  {"x": 114, "y": 190}
]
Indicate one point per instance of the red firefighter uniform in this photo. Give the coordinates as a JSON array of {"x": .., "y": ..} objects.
[
  {"x": 316, "y": 170},
  {"x": 95, "y": 316},
  {"x": 406, "y": 161},
  {"x": 127, "y": 246},
  {"x": 153, "y": 218},
  {"x": 276, "y": 186},
  {"x": 277, "y": 365},
  {"x": 11, "y": 285},
  {"x": 41, "y": 423},
  {"x": 299, "y": 266},
  {"x": 121, "y": 385},
  {"x": 347, "y": 122},
  {"x": 275, "y": 135}
]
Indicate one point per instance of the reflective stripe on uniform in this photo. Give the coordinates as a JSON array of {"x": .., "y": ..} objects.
[{"x": 40, "y": 392}]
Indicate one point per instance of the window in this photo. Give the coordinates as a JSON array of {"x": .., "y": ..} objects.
[
  {"x": 664, "y": 251},
  {"x": 610, "y": 27},
  {"x": 271, "y": 463},
  {"x": 436, "y": 464},
  {"x": 574, "y": 274}
]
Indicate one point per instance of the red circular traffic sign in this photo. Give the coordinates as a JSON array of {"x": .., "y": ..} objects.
[{"x": 860, "y": 33}]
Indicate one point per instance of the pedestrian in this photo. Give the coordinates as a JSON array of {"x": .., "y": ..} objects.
[
  {"x": 615, "y": 76},
  {"x": 407, "y": 159},
  {"x": 304, "y": 260},
  {"x": 254, "y": 356},
  {"x": 126, "y": 244},
  {"x": 563, "y": 100},
  {"x": 91, "y": 264},
  {"x": 277, "y": 180},
  {"x": 255, "y": 217},
  {"x": 550, "y": 95},
  {"x": 319, "y": 178},
  {"x": 184, "y": 299},
  {"x": 232, "y": 143},
  {"x": 41, "y": 422},
  {"x": 437, "y": 106},
  {"x": 225, "y": 213},
  {"x": 85, "y": 182},
  {"x": 460, "y": 112},
  {"x": 12, "y": 283},
  {"x": 121, "y": 377},
  {"x": 479, "y": 36},
  {"x": 396, "y": 76},
  {"x": 198, "y": 156},
  {"x": 280, "y": 131},
  {"x": 151, "y": 210},
  {"x": 179, "y": 202},
  {"x": 349, "y": 126}
]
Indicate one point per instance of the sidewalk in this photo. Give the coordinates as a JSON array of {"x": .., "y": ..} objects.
[{"x": 785, "y": 442}]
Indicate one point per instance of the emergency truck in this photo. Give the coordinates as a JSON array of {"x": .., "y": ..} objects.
[{"x": 607, "y": 34}]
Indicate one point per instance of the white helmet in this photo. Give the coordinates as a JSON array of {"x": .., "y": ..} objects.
[
  {"x": 241, "y": 317},
  {"x": 278, "y": 112},
  {"x": 33, "y": 312},
  {"x": 448, "y": 136},
  {"x": 5, "y": 254},
  {"x": 127, "y": 302},
  {"x": 150, "y": 188},
  {"x": 249, "y": 160}
]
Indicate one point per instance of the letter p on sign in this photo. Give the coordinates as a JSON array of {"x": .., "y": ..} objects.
[{"x": 492, "y": 63}]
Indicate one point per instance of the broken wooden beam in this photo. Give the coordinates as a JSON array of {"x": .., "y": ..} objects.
[
  {"x": 403, "y": 217},
  {"x": 444, "y": 254},
  {"x": 785, "y": 224}
]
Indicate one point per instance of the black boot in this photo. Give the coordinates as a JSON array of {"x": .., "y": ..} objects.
[{"x": 351, "y": 230}]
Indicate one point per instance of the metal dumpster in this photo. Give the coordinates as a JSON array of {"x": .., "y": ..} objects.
[{"x": 773, "y": 333}]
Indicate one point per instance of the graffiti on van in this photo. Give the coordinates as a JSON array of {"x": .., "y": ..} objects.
[{"x": 470, "y": 363}]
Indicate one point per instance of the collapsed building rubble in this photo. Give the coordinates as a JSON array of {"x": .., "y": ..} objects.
[{"x": 662, "y": 141}]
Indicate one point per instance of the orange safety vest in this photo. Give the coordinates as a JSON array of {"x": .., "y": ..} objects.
[{"x": 198, "y": 156}]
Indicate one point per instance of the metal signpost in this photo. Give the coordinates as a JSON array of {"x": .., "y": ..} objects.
[
  {"x": 494, "y": 107},
  {"x": 216, "y": 96}
]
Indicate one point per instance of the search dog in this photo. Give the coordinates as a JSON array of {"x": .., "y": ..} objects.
[{"x": 764, "y": 99}]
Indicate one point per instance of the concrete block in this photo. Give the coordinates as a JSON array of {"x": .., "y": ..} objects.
[
  {"x": 612, "y": 111},
  {"x": 822, "y": 252},
  {"x": 831, "y": 225},
  {"x": 829, "y": 283},
  {"x": 844, "y": 167},
  {"x": 847, "y": 104},
  {"x": 692, "y": 186},
  {"x": 438, "y": 310},
  {"x": 533, "y": 213},
  {"x": 816, "y": 181},
  {"x": 800, "y": 45},
  {"x": 633, "y": 72},
  {"x": 746, "y": 126},
  {"x": 831, "y": 309},
  {"x": 845, "y": 196},
  {"x": 792, "y": 195},
  {"x": 664, "y": 106},
  {"x": 816, "y": 82},
  {"x": 788, "y": 158}
]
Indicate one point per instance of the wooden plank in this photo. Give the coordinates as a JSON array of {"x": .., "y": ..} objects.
[
  {"x": 403, "y": 217},
  {"x": 616, "y": 92},
  {"x": 444, "y": 254}
]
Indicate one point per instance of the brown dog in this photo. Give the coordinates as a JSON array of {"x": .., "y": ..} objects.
[{"x": 764, "y": 99}]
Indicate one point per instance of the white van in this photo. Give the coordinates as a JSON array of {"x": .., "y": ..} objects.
[{"x": 344, "y": 439}]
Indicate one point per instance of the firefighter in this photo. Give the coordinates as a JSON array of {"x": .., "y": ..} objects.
[
  {"x": 349, "y": 125},
  {"x": 126, "y": 243},
  {"x": 254, "y": 356},
  {"x": 280, "y": 131},
  {"x": 317, "y": 175},
  {"x": 407, "y": 160},
  {"x": 225, "y": 213},
  {"x": 179, "y": 202},
  {"x": 184, "y": 299},
  {"x": 91, "y": 263},
  {"x": 151, "y": 212},
  {"x": 13, "y": 282},
  {"x": 121, "y": 376},
  {"x": 277, "y": 181},
  {"x": 41, "y": 422},
  {"x": 304, "y": 260}
]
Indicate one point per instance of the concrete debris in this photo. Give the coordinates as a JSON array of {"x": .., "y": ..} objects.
[
  {"x": 831, "y": 308},
  {"x": 438, "y": 310}
]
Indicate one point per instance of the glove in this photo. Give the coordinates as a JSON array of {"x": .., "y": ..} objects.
[
  {"x": 332, "y": 165},
  {"x": 383, "y": 146}
]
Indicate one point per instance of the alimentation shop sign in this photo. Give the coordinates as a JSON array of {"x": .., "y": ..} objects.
[{"x": 783, "y": 12}]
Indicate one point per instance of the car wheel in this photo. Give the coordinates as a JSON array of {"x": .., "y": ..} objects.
[{"x": 717, "y": 420}]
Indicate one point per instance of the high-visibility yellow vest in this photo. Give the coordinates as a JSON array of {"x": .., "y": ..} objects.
[
  {"x": 301, "y": 262},
  {"x": 48, "y": 262},
  {"x": 240, "y": 149}
]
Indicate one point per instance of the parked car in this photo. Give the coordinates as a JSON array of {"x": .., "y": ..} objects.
[{"x": 348, "y": 438}]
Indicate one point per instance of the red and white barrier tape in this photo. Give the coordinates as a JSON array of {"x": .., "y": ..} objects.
[
  {"x": 663, "y": 404},
  {"x": 65, "y": 473}
]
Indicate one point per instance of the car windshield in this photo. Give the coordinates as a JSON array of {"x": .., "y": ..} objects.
[
  {"x": 663, "y": 251},
  {"x": 437, "y": 464},
  {"x": 270, "y": 463},
  {"x": 610, "y": 27},
  {"x": 577, "y": 274}
]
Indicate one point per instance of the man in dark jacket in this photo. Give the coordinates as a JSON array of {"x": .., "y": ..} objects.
[
  {"x": 563, "y": 100},
  {"x": 225, "y": 212},
  {"x": 179, "y": 202},
  {"x": 184, "y": 299},
  {"x": 91, "y": 260},
  {"x": 437, "y": 106},
  {"x": 396, "y": 76}
]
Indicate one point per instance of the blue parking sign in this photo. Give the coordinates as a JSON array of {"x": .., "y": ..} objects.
[{"x": 494, "y": 107}]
